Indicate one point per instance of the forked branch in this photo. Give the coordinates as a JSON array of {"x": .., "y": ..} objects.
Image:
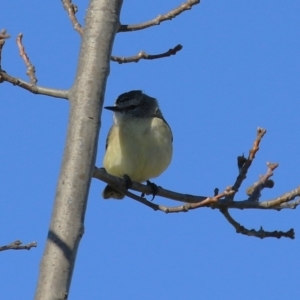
[
  {"x": 284, "y": 201},
  {"x": 246, "y": 163},
  {"x": 222, "y": 201},
  {"x": 72, "y": 10},
  {"x": 29, "y": 86}
]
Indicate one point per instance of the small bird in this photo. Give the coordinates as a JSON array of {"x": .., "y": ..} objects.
[{"x": 139, "y": 143}]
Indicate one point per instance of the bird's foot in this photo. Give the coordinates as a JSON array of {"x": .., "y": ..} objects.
[{"x": 154, "y": 189}]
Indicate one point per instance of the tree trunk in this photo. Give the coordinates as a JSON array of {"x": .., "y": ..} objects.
[{"x": 86, "y": 100}]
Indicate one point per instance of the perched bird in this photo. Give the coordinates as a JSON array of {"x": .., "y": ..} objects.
[{"x": 139, "y": 143}]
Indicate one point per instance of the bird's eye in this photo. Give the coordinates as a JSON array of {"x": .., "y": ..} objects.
[{"x": 131, "y": 106}]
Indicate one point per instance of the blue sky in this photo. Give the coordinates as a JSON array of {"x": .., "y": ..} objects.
[{"x": 239, "y": 69}]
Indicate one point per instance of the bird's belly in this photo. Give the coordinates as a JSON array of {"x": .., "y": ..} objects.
[{"x": 141, "y": 156}]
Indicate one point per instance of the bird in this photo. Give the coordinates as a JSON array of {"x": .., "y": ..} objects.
[{"x": 139, "y": 144}]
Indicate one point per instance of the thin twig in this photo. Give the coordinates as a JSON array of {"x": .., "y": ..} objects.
[
  {"x": 31, "y": 87},
  {"x": 160, "y": 18},
  {"x": 176, "y": 209},
  {"x": 144, "y": 55},
  {"x": 243, "y": 169},
  {"x": 261, "y": 233},
  {"x": 35, "y": 89},
  {"x": 291, "y": 205},
  {"x": 72, "y": 9},
  {"x": 282, "y": 201},
  {"x": 264, "y": 181},
  {"x": 17, "y": 245},
  {"x": 30, "y": 72}
]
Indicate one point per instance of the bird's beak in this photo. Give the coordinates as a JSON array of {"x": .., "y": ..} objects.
[{"x": 113, "y": 108}]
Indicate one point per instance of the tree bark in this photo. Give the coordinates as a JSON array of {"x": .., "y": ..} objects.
[{"x": 86, "y": 100}]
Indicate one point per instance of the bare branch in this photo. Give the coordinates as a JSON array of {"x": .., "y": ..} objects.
[
  {"x": 31, "y": 87},
  {"x": 181, "y": 208},
  {"x": 213, "y": 202},
  {"x": 144, "y": 55},
  {"x": 17, "y": 245},
  {"x": 282, "y": 201},
  {"x": 160, "y": 18},
  {"x": 291, "y": 205},
  {"x": 72, "y": 9},
  {"x": 244, "y": 167},
  {"x": 221, "y": 201},
  {"x": 217, "y": 202},
  {"x": 254, "y": 191},
  {"x": 35, "y": 89},
  {"x": 261, "y": 233},
  {"x": 30, "y": 67},
  {"x": 120, "y": 184}
]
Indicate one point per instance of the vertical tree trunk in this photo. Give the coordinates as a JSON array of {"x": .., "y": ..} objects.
[{"x": 86, "y": 100}]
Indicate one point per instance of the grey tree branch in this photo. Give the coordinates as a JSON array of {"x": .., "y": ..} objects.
[
  {"x": 86, "y": 99},
  {"x": 160, "y": 18},
  {"x": 17, "y": 245},
  {"x": 144, "y": 55}
]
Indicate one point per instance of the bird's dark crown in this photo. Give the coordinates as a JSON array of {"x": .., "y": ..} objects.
[{"x": 123, "y": 98}]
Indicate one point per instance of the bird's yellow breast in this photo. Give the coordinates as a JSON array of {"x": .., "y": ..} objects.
[{"x": 141, "y": 149}]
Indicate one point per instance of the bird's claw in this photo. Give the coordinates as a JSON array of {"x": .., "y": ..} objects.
[{"x": 154, "y": 189}]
